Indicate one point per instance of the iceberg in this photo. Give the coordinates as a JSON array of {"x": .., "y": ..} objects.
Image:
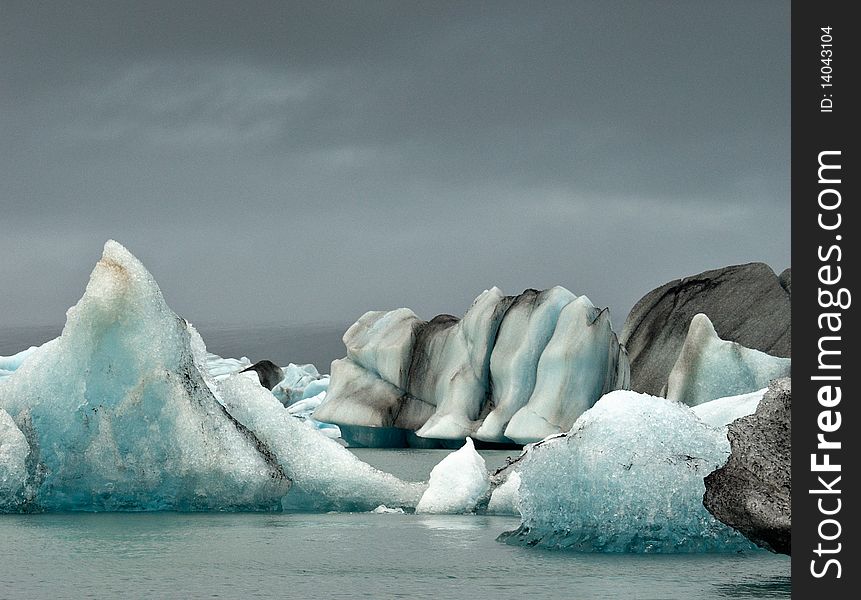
[
  {"x": 513, "y": 369},
  {"x": 709, "y": 368},
  {"x": 628, "y": 477},
  {"x": 119, "y": 412},
  {"x": 127, "y": 411},
  {"x": 748, "y": 304},
  {"x": 525, "y": 332},
  {"x": 457, "y": 484}
]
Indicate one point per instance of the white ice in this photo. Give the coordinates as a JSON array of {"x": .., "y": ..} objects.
[
  {"x": 457, "y": 484},
  {"x": 458, "y": 373},
  {"x": 505, "y": 499},
  {"x": 294, "y": 385},
  {"x": 219, "y": 367},
  {"x": 723, "y": 411}
]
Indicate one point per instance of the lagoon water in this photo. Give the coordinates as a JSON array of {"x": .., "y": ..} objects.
[
  {"x": 346, "y": 555},
  {"x": 343, "y": 555}
]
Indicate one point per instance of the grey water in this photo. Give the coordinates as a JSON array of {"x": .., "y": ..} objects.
[
  {"x": 336, "y": 555},
  {"x": 346, "y": 555}
]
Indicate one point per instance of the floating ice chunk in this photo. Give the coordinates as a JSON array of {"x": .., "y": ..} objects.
[
  {"x": 382, "y": 509},
  {"x": 709, "y": 367},
  {"x": 505, "y": 499},
  {"x": 13, "y": 463},
  {"x": 627, "y": 478},
  {"x": 457, "y": 484},
  {"x": 325, "y": 475},
  {"x": 723, "y": 411},
  {"x": 582, "y": 361},
  {"x": 120, "y": 414},
  {"x": 449, "y": 378}
]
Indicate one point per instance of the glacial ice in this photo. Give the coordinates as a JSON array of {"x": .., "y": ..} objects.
[
  {"x": 121, "y": 413},
  {"x": 513, "y": 368},
  {"x": 709, "y": 367},
  {"x": 525, "y": 332},
  {"x": 723, "y": 411},
  {"x": 572, "y": 373},
  {"x": 628, "y": 477},
  {"x": 505, "y": 499},
  {"x": 13, "y": 462},
  {"x": 457, "y": 484},
  {"x": 10, "y": 364},
  {"x": 295, "y": 382},
  {"x": 220, "y": 368},
  {"x": 325, "y": 475}
]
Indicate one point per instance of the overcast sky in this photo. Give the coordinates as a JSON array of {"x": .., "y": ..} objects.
[{"x": 304, "y": 162}]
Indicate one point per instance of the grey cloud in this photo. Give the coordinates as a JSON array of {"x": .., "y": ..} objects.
[{"x": 309, "y": 161}]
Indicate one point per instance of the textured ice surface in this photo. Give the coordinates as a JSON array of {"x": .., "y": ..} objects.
[
  {"x": 527, "y": 328},
  {"x": 219, "y": 367},
  {"x": 325, "y": 475},
  {"x": 453, "y": 371},
  {"x": 457, "y": 484},
  {"x": 581, "y": 363},
  {"x": 513, "y": 368},
  {"x": 10, "y": 364},
  {"x": 505, "y": 499},
  {"x": 723, "y": 411},
  {"x": 119, "y": 411},
  {"x": 303, "y": 409},
  {"x": 13, "y": 462},
  {"x": 628, "y": 477},
  {"x": 709, "y": 367},
  {"x": 294, "y": 385}
]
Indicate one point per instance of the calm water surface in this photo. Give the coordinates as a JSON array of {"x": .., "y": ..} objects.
[{"x": 159, "y": 555}]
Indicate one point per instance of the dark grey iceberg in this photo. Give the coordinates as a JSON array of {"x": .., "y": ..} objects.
[
  {"x": 752, "y": 492},
  {"x": 513, "y": 369},
  {"x": 747, "y": 304}
]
